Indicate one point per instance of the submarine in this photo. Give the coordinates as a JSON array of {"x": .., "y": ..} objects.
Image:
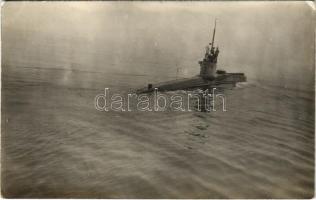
[{"x": 208, "y": 78}]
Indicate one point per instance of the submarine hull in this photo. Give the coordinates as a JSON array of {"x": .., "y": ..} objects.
[{"x": 197, "y": 82}]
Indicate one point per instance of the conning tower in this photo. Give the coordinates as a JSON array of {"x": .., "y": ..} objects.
[{"x": 208, "y": 64}]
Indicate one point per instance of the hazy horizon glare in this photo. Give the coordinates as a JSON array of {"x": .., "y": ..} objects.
[{"x": 269, "y": 41}]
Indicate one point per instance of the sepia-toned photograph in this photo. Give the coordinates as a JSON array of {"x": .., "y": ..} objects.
[{"x": 158, "y": 100}]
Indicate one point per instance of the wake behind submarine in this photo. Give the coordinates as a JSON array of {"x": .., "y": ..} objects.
[{"x": 208, "y": 78}]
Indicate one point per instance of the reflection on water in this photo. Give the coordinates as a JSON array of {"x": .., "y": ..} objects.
[{"x": 56, "y": 144}]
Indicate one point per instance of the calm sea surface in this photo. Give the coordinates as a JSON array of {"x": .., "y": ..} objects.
[{"x": 56, "y": 144}]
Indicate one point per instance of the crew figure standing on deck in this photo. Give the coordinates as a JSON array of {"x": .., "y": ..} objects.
[{"x": 216, "y": 54}]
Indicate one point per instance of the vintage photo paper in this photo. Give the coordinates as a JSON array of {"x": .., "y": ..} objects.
[{"x": 157, "y": 100}]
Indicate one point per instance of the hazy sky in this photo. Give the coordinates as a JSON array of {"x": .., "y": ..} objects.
[{"x": 267, "y": 40}]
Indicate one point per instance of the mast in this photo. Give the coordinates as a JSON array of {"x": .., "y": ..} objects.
[{"x": 213, "y": 35}]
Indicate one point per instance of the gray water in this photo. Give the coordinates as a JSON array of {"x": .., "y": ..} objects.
[{"x": 56, "y": 144}]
